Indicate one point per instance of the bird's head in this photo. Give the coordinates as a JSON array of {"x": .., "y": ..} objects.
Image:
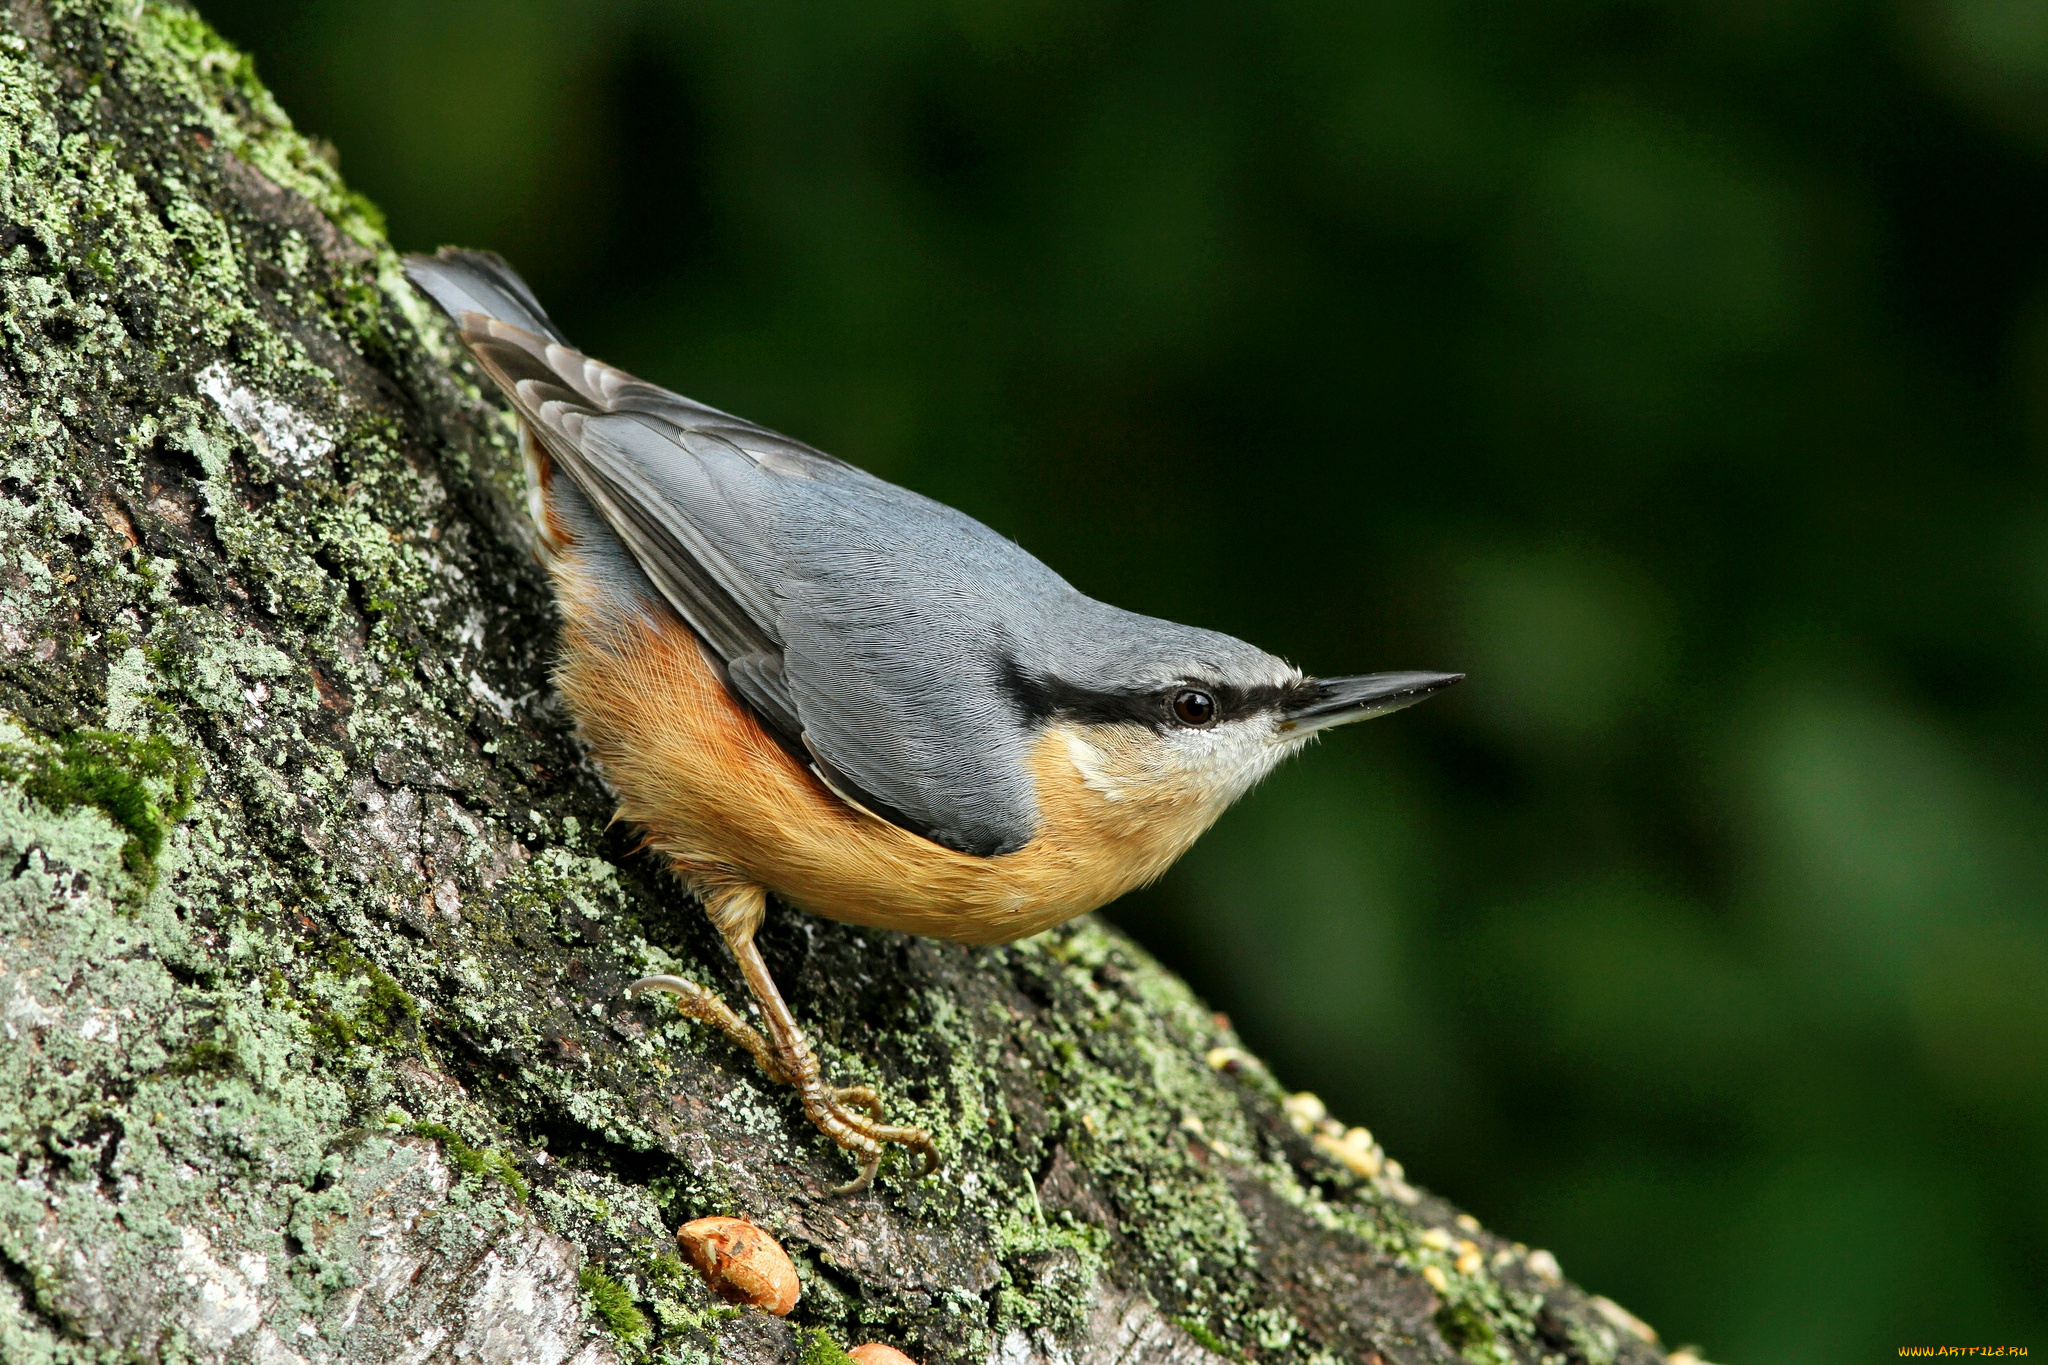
[{"x": 1173, "y": 724}]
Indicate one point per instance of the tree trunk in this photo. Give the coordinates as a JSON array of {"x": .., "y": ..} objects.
[{"x": 312, "y": 948}]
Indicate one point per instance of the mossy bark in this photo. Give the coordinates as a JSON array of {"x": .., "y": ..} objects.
[{"x": 312, "y": 946}]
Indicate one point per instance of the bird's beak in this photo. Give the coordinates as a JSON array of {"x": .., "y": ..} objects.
[{"x": 1323, "y": 702}]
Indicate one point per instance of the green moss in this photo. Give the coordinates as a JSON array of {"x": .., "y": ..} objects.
[
  {"x": 206, "y": 1056},
  {"x": 386, "y": 1002},
  {"x": 611, "y": 1302},
  {"x": 372, "y": 224},
  {"x": 1588, "y": 1346},
  {"x": 481, "y": 1162},
  {"x": 1199, "y": 1330},
  {"x": 145, "y": 786},
  {"x": 333, "y": 1031},
  {"x": 500, "y": 1168},
  {"x": 820, "y": 1349},
  {"x": 386, "y": 1014},
  {"x": 668, "y": 1269},
  {"x": 1468, "y": 1332}
]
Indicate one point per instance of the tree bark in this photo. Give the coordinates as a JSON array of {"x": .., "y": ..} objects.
[{"x": 312, "y": 947}]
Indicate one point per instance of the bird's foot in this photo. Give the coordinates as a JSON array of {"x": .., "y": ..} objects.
[
  {"x": 837, "y": 1111},
  {"x": 706, "y": 1008},
  {"x": 851, "y": 1115},
  {"x": 863, "y": 1135}
]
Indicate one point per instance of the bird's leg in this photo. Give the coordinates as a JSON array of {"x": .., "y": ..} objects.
[
  {"x": 863, "y": 1135},
  {"x": 785, "y": 1054}
]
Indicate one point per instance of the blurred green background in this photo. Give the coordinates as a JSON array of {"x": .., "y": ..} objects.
[{"x": 1675, "y": 369}]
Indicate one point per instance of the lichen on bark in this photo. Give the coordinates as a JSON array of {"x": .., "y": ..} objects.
[{"x": 312, "y": 949}]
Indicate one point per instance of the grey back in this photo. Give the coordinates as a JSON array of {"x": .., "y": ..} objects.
[{"x": 880, "y": 633}]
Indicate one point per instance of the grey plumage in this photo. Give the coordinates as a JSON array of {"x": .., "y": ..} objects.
[
  {"x": 895, "y": 640},
  {"x": 930, "y": 671},
  {"x": 481, "y": 282}
]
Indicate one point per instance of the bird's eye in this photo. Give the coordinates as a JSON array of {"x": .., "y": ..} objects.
[{"x": 1194, "y": 708}]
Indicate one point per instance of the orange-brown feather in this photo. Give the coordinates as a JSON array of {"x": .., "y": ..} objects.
[
  {"x": 731, "y": 809},
  {"x": 540, "y": 479}
]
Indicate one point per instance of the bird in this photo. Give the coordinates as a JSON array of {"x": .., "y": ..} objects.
[{"x": 804, "y": 682}]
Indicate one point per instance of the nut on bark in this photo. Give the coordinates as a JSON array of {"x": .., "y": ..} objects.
[
  {"x": 875, "y": 1353},
  {"x": 741, "y": 1263}
]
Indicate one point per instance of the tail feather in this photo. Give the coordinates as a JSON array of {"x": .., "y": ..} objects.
[{"x": 463, "y": 281}]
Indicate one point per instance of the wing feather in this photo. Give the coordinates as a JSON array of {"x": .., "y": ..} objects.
[
  {"x": 560, "y": 394},
  {"x": 824, "y": 592}
]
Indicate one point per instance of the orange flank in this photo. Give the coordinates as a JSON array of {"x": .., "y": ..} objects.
[{"x": 733, "y": 811}]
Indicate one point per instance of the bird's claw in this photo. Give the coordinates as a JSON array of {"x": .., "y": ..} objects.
[
  {"x": 827, "y": 1106},
  {"x": 863, "y": 1135}
]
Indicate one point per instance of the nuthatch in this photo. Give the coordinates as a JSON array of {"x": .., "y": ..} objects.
[{"x": 803, "y": 681}]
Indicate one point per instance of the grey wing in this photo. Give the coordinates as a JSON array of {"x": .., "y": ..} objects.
[
  {"x": 801, "y": 572},
  {"x": 896, "y": 654},
  {"x": 480, "y": 282}
]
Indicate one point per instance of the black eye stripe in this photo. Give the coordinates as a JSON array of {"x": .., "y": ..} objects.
[{"x": 1042, "y": 698}]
